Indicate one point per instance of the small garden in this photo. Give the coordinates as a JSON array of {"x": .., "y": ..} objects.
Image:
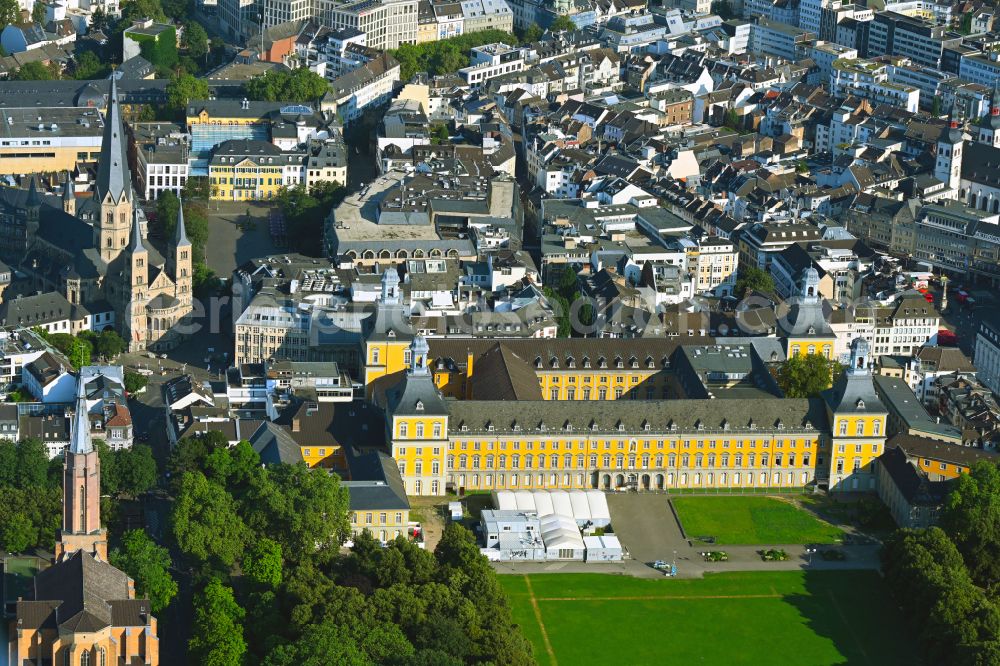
[{"x": 715, "y": 556}]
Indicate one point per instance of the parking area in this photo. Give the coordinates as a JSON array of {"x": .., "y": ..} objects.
[{"x": 646, "y": 526}]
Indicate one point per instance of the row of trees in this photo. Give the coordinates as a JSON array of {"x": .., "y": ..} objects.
[
  {"x": 274, "y": 589},
  {"x": 86, "y": 346},
  {"x": 445, "y": 56},
  {"x": 305, "y": 212},
  {"x": 946, "y": 579},
  {"x": 561, "y": 298},
  {"x": 31, "y": 488}
]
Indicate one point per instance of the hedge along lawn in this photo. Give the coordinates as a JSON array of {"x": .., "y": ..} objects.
[
  {"x": 752, "y": 521},
  {"x": 784, "y": 617}
]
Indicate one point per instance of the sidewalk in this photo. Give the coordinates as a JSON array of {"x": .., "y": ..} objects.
[{"x": 690, "y": 563}]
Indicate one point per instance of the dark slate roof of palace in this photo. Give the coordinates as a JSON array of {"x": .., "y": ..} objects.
[
  {"x": 375, "y": 483},
  {"x": 663, "y": 416}
]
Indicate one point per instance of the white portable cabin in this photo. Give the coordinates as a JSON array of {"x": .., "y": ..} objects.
[{"x": 605, "y": 548}]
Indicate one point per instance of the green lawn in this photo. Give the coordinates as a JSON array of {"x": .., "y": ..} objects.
[
  {"x": 784, "y": 617},
  {"x": 751, "y": 521}
]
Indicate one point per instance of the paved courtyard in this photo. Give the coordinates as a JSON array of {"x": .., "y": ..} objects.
[{"x": 231, "y": 241}]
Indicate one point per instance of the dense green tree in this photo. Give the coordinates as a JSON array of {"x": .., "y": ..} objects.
[
  {"x": 936, "y": 106},
  {"x": 753, "y": 279},
  {"x": 109, "y": 344},
  {"x": 80, "y": 353},
  {"x": 134, "y": 382},
  {"x": 17, "y": 533},
  {"x": 971, "y": 516},
  {"x": 532, "y": 34},
  {"x": 191, "y": 452},
  {"x": 439, "y": 134},
  {"x": 562, "y": 23},
  {"x": 36, "y": 71},
  {"x": 109, "y": 468},
  {"x": 149, "y": 566},
  {"x": 444, "y": 56},
  {"x": 133, "y": 10},
  {"x": 38, "y": 13},
  {"x": 10, "y": 12},
  {"x": 263, "y": 564},
  {"x": 182, "y": 90},
  {"x": 806, "y": 376},
  {"x": 196, "y": 188},
  {"x": 178, "y": 9},
  {"x": 306, "y": 210},
  {"x": 965, "y": 24},
  {"x": 195, "y": 39},
  {"x": 319, "y": 645},
  {"x": 303, "y": 509},
  {"x": 205, "y": 522},
  {"x": 32, "y": 463},
  {"x": 136, "y": 470},
  {"x": 217, "y": 636},
  {"x": 98, "y": 20},
  {"x": 299, "y": 85},
  {"x": 8, "y": 463},
  {"x": 29, "y": 517}
]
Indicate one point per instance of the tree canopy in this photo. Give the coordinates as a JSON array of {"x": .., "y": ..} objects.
[
  {"x": 971, "y": 516},
  {"x": 562, "y": 23},
  {"x": 182, "y": 89},
  {"x": 148, "y": 564},
  {"x": 299, "y": 85},
  {"x": 806, "y": 376},
  {"x": 444, "y": 56},
  {"x": 753, "y": 279}
]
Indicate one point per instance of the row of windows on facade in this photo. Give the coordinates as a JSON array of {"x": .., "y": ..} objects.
[
  {"x": 633, "y": 446},
  {"x": 383, "y": 518},
  {"x": 530, "y": 461}
]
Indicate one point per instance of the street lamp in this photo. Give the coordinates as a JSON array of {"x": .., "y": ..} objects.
[{"x": 809, "y": 553}]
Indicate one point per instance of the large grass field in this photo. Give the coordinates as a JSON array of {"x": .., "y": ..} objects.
[
  {"x": 785, "y": 617},
  {"x": 752, "y": 521}
]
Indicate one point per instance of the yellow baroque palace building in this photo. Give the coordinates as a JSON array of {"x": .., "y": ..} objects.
[{"x": 521, "y": 439}]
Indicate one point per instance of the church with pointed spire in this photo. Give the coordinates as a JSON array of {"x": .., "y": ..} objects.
[
  {"x": 95, "y": 250},
  {"x": 81, "y": 609}
]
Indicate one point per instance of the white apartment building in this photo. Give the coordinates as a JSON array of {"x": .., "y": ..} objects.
[
  {"x": 386, "y": 23},
  {"x": 987, "y": 354},
  {"x": 899, "y": 328},
  {"x": 870, "y": 80},
  {"x": 490, "y": 60},
  {"x": 714, "y": 268}
]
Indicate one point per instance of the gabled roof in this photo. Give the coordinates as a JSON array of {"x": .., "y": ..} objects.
[
  {"x": 500, "y": 374},
  {"x": 86, "y": 587}
]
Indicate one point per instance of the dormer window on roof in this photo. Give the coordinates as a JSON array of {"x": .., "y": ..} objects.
[
  {"x": 860, "y": 404},
  {"x": 420, "y": 405}
]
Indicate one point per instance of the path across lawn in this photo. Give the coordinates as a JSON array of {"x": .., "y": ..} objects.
[
  {"x": 752, "y": 521},
  {"x": 786, "y": 617}
]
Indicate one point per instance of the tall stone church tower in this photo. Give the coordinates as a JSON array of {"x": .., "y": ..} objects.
[
  {"x": 114, "y": 184},
  {"x": 81, "y": 526}
]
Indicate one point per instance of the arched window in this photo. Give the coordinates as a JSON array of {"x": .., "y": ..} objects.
[{"x": 85, "y": 658}]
